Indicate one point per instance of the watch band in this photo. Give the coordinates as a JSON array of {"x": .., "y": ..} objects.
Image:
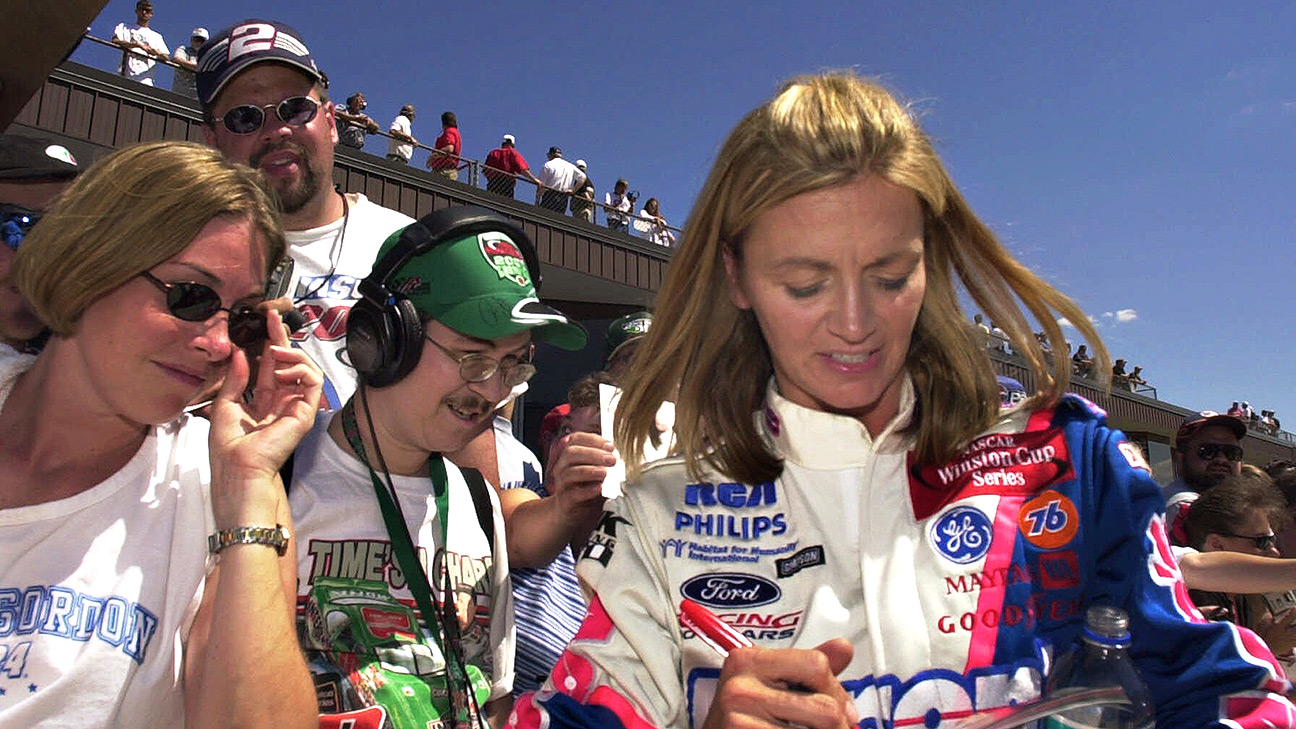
[{"x": 276, "y": 536}]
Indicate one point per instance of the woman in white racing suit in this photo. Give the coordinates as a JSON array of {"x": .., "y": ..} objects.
[{"x": 848, "y": 496}]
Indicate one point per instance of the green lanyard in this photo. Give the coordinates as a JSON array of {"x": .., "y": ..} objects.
[{"x": 415, "y": 578}]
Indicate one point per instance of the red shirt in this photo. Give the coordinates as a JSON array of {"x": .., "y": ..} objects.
[
  {"x": 505, "y": 158},
  {"x": 451, "y": 137}
]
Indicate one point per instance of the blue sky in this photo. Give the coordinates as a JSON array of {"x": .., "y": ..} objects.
[{"x": 1137, "y": 155}]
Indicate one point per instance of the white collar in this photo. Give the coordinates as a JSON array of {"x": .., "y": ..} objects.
[{"x": 825, "y": 441}]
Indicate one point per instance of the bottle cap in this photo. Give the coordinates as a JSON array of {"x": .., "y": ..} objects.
[{"x": 1108, "y": 623}]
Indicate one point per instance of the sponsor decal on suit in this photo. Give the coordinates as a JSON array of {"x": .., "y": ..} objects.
[{"x": 729, "y": 590}]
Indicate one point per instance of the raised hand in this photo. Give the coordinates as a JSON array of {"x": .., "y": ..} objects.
[{"x": 250, "y": 440}]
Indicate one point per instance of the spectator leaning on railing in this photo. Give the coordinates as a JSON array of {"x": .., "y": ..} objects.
[
  {"x": 618, "y": 204},
  {"x": 559, "y": 178},
  {"x": 186, "y": 57},
  {"x": 582, "y": 198},
  {"x": 142, "y": 46},
  {"x": 652, "y": 226},
  {"x": 502, "y": 167},
  {"x": 353, "y": 123},
  {"x": 401, "y": 145},
  {"x": 447, "y": 165}
]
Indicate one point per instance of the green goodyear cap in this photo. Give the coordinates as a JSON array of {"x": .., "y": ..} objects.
[
  {"x": 479, "y": 285},
  {"x": 624, "y": 330}
]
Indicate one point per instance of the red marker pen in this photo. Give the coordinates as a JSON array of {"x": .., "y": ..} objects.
[{"x": 713, "y": 631}]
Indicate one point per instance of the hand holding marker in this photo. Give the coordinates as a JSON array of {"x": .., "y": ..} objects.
[{"x": 713, "y": 631}]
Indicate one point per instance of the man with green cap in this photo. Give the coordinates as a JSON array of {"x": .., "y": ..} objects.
[
  {"x": 623, "y": 338},
  {"x": 403, "y": 580}
]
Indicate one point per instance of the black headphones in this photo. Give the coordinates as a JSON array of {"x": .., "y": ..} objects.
[{"x": 384, "y": 333}]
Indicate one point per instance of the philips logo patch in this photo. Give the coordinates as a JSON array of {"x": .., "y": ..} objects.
[
  {"x": 962, "y": 535},
  {"x": 730, "y": 590}
]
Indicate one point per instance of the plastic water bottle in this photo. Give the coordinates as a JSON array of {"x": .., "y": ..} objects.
[{"x": 1100, "y": 661}]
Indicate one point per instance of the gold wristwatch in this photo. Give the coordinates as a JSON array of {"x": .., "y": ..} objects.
[{"x": 276, "y": 536}]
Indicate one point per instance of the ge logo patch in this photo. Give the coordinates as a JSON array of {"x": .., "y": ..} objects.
[
  {"x": 1049, "y": 521},
  {"x": 962, "y": 535}
]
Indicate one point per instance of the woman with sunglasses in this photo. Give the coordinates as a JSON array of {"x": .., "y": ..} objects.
[
  {"x": 146, "y": 557},
  {"x": 849, "y": 497},
  {"x": 1239, "y": 516}
]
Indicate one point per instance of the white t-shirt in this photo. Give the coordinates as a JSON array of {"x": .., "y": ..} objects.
[
  {"x": 340, "y": 534},
  {"x": 647, "y": 227},
  {"x": 328, "y": 263},
  {"x": 98, "y": 590},
  {"x": 401, "y": 124},
  {"x": 135, "y": 66},
  {"x": 183, "y": 80},
  {"x": 561, "y": 175}
]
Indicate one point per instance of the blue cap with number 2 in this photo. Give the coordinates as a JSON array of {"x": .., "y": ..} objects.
[{"x": 245, "y": 43}]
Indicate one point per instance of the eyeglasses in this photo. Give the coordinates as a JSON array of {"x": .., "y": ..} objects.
[
  {"x": 190, "y": 301},
  {"x": 15, "y": 223},
  {"x": 1261, "y": 542},
  {"x": 1208, "y": 451},
  {"x": 479, "y": 368},
  {"x": 294, "y": 111}
]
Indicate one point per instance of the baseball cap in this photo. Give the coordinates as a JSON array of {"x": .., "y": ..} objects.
[
  {"x": 1197, "y": 421},
  {"x": 1011, "y": 392},
  {"x": 200, "y": 33},
  {"x": 479, "y": 285},
  {"x": 556, "y": 150},
  {"x": 509, "y": 138},
  {"x": 255, "y": 41},
  {"x": 553, "y": 419},
  {"x": 580, "y": 163},
  {"x": 29, "y": 158},
  {"x": 625, "y": 330}
]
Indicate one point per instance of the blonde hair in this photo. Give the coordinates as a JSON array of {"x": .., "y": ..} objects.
[
  {"x": 821, "y": 131},
  {"x": 132, "y": 210}
]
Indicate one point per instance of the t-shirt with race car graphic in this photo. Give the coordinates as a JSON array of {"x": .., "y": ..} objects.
[{"x": 357, "y": 617}]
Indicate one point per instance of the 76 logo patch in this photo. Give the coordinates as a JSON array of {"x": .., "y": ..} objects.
[{"x": 1049, "y": 521}]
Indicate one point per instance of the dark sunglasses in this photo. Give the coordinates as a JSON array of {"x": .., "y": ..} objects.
[
  {"x": 295, "y": 111},
  {"x": 190, "y": 301},
  {"x": 1208, "y": 451},
  {"x": 1262, "y": 542},
  {"x": 15, "y": 223}
]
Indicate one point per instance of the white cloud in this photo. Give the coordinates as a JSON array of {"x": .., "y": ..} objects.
[
  {"x": 1126, "y": 315},
  {"x": 1066, "y": 323}
]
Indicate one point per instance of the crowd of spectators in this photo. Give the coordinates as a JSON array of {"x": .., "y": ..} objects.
[
  {"x": 1261, "y": 421},
  {"x": 1081, "y": 362},
  {"x": 1123, "y": 377},
  {"x": 561, "y": 190},
  {"x": 499, "y": 528}
]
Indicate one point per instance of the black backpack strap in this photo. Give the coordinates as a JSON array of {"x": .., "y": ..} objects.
[{"x": 480, "y": 491}]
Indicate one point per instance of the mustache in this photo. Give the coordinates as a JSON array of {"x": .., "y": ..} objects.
[
  {"x": 471, "y": 403},
  {"x": 288, "y": 144}
]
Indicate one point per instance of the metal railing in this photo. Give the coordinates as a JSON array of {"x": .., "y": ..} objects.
[{"x": 646, "y": 227}]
